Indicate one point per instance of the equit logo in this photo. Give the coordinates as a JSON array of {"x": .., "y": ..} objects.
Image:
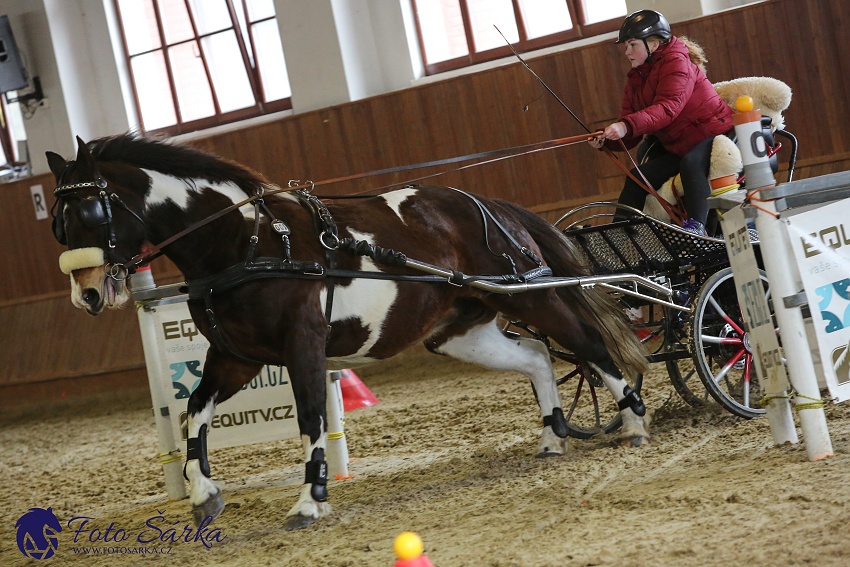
[{"x": 38, "y": 533}]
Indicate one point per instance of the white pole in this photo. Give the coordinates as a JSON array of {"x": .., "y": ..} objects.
[
  {"x": 785, "y": 282},
  {"x": 337, "y": 445},
  {"x": 169, "y": 453}
]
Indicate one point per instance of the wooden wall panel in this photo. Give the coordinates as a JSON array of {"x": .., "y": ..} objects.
[
  {"x": 800, "y": 43},
  {"x": 51, "y": 338}
]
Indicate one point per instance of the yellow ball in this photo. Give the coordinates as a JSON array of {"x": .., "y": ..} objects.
[
  {"x": 407, "y": 546},
  {"x": 744, "y": 103}
]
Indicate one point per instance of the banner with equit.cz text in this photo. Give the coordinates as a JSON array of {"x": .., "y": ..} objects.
[
  {"x": 820, "y": 239},
  {"x": 263, "y": 411}
]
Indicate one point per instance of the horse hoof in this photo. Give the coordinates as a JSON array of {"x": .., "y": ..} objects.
[
  {"x": 298, "y": 522},
  {"x": 547, "y": 453},
  {"x": 212, "y": 508},
  {"x": 634, "y": 441}
]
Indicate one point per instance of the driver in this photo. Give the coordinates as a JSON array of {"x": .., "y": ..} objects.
[{"x": 668, "y": 96}]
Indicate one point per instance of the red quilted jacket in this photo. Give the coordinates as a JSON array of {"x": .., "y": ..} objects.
[{"x": 671, "y": 98}]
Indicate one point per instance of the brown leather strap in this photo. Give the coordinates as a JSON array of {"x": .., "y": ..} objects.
[
  {"x": 674, "y": 213},
  {"x": 155, "y": 251}
]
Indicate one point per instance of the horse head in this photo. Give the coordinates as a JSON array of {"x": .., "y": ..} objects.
[{"x": 102, "y": 224}]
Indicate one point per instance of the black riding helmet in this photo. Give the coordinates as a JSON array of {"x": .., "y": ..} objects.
[{"x": 643, "y": 24}]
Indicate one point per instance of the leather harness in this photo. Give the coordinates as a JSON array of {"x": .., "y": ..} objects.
[{"x": 252, "y": 268}]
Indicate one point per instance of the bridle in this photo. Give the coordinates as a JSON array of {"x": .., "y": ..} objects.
[{"x": 94, "y": 211}]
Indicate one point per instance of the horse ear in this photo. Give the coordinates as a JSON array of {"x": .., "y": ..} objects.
[
  {"x": 83, "y": 154},
  {"x": 56, "y": 163}
]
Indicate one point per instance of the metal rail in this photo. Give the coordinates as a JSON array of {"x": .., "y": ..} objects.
[{"x": 604, "y": 281}]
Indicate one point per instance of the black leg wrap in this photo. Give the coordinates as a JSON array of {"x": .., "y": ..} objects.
[
  {"x": 316, "y": 473},
  {"x": 196, "y": 448},
  {"x": 557, "y": 421},
  {"x": 632, "y": 400}
]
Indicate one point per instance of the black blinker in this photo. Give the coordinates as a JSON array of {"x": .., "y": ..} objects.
[{"x": 91, "y": 212}]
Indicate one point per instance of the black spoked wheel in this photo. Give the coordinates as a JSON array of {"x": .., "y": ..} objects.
[
  {"x": 721, "y": 346},
  {"x": 663, "y": 334}
]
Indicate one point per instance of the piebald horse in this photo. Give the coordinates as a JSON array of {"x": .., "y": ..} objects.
[{"x": 284, "y": 278}]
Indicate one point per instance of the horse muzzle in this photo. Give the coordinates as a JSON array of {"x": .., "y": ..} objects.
[{"x": 95, "y": 284}]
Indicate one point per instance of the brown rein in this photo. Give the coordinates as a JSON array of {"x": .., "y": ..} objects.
[
  {"x": 644, "y": 184},
  {"x": 515, "y": 151}
]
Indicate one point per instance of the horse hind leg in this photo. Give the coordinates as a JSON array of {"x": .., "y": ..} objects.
[
  {"x": 635, "y": 430},
  {"x": 485, "y": 345},
  {"x": 589, "y": 343},
  {"x": 555, "y": 319}
]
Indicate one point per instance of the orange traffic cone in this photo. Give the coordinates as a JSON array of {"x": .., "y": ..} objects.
[{"x": 355, "y": 394}]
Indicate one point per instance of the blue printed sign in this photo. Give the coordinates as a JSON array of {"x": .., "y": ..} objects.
[
  {"x": 820, "y": 239},
  {"x": 264, "y": 410}
]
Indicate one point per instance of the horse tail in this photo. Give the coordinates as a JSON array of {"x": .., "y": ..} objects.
[{"x": 591, "y": 304}]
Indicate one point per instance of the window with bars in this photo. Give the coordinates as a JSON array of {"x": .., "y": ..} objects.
[
  {"x": 200, "y": 63},
  {"x": 459, "y": 33}
]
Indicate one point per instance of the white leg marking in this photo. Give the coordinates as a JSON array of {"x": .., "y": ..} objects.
[
  {"x": 306, "y": 506},
  {"x": 394, "y": 200},
  {"x": 487, "y": 346},
  {"x": 633, "y": 424},
  {"x": 201, "y": 488}
]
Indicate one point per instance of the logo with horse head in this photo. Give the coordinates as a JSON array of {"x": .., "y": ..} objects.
[{"x": 38, "y": 533}]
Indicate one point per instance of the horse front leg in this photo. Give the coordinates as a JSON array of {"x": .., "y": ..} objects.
[
  {"x": 307, "y": 374},
  {"x": 223, "y": 376}
]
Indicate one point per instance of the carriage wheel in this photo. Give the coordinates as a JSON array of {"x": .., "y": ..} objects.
[
  {"x": 687, "y": 382},
  {"x": 721, "y": 346},
  {"x": 664, "y": 336},
  {"x": 589, "y": 407}
]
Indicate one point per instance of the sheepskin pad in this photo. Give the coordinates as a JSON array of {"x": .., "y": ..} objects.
[
  {"x": 770, "y": 95},
  {"x": 80, "y": 258}
]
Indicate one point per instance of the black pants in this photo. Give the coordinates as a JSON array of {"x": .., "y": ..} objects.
[{"x": 660, "y": 165}]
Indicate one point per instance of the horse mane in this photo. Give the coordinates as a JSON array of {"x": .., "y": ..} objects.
[{"x": 179, "y": 161}]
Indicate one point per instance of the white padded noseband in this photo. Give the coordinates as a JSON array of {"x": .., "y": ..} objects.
[{"x": 81, "y": 258}]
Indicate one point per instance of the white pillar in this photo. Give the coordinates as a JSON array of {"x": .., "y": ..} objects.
[
  {"x": 339, "y": 51},
  {"x": 170, "y": 455},
  {"x": 785, "y": 281},
  {"x": 337, "y": 448}
]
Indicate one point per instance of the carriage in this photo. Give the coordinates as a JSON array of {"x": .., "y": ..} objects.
[{"x": 690, "y": 319}]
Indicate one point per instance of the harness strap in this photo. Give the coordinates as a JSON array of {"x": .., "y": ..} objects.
[
  {"x": 329, "y": 239},
  {"x": 485, "y": 212}
]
